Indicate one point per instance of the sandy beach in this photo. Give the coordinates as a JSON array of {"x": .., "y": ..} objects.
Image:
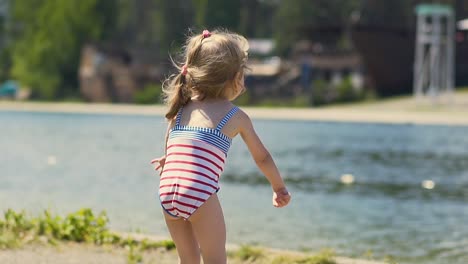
[
  {"x": 73, "y": 253},
  {"x": 79, "y": 253},
  {"x": 448, "y": 110}
]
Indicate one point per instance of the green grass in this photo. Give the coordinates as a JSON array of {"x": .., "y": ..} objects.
[
  {"x": 257, "y": 255},
  {"x": 462, "y": 89},
  {"x": 248, "y": 253},
  {"x": 323, "y": 257},
  {"x": 83, "y": 226}
]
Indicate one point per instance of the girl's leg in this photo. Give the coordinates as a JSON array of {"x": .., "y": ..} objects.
[
  {"x": 184, "y": 239},
  {"x": 210, "y": 231}
]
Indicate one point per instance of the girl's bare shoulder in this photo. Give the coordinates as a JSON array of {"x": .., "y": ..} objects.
[
  {"x": 238, "y": 123},
  {"x": 242, "y": 116},
  {"x": 242, "y": 120}
]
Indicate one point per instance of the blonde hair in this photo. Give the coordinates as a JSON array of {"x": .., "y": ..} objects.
[{"x": 210, "y": 61}]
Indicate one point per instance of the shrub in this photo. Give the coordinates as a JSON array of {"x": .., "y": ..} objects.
[
  {"x": 248, "y": 253},
  {"x": 80, "y": 226},
  {"x": 320, "y": 90},
  {"x": 150, "y": 94},
  {"x": 324, "y": 257},
  {"x": 243, "y": 99},
  {"x": 346, "y": 91}
]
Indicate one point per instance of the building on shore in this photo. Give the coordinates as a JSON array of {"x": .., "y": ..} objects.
[{"x": 114, "y": 74}]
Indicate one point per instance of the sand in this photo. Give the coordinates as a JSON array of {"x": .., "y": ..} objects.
[
  {"x": 75, "y": 253},
  {"x": 443, "y": 111}
]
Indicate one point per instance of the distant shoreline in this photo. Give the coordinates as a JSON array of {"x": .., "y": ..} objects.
[{"x": 403, "y": 111}]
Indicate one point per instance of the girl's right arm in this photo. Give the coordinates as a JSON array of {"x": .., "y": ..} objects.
[
  {"x": 162, "y": 160},
  {"x": 264, "y": 161}
]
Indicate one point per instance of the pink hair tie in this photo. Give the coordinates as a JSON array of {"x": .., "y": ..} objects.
[
  {"x": 184, "y": 70},
  {"x": 206, "y": 33}
]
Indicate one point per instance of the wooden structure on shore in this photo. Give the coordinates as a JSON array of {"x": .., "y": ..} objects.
[
  {"x": 387, "y": 47},
  {"x": 114, "y": 74},
  {"x": 434, "y": 60}
]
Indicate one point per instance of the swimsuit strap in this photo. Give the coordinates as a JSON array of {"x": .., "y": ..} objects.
[
  {"x": 226, "y": 118},
  {"x": 179, "y": 116}
]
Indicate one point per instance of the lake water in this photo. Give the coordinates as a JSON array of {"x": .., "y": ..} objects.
[{"x": 68, "y": 161}]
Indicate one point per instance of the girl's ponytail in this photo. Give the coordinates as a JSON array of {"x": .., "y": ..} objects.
[{"x": 176, "y": 94}]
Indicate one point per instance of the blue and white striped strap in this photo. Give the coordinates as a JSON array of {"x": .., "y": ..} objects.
[
  {"x": 227, "y": 117},
  {"x": 179, "y": 116}
]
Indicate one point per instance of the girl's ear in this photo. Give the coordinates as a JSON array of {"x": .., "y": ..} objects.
[
  {"x": 239, "y": 79},
  {"x": 239, "y": 83},
  {"x": 239, "y": 75}
]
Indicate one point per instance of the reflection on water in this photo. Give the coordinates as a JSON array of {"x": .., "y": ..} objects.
[{"x": 397, "y": 190}]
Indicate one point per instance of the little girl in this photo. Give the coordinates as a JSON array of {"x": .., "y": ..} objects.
[{"x": 202, "y": 124}]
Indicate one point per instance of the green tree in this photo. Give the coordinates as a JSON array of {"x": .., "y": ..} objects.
[
  {"x": 295, "y": 18},
  {"x": 388, "y": 14},
  {"x": 173, "y": 18},
  {"x": 257, "y": 18},
  {"x": 5, "y": 64},
  {"x": 48, "y": 39},
  {"x": 4, "y": 55},
  {"x": 216, "y": 13}
]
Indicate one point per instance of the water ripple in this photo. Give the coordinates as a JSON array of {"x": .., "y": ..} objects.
[{"x": 452, "y": 192}]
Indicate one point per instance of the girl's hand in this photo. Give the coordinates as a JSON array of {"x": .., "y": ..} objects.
[
  {"x": 281, "y": 197},
  {"x": 159, "y": 163}
]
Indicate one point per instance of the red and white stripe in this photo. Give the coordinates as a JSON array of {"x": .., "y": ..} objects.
[{"x": 190, "y": 175}]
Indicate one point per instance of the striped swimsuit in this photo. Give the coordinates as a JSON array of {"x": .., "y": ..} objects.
[{"x": 195, "y": 158}]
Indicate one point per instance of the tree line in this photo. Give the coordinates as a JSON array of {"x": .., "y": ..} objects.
[{"x": 41, "y": 40}]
